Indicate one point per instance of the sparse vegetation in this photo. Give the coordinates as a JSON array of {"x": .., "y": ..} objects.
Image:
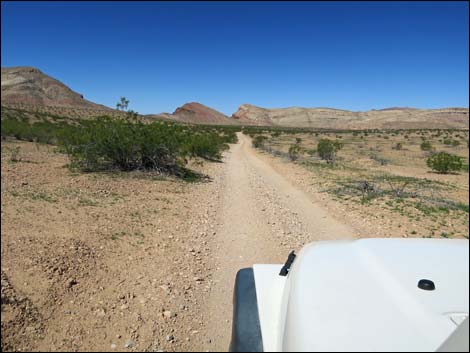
[
  {"x": 414, "y": 196},
  {"x": 14, "y": 157}
]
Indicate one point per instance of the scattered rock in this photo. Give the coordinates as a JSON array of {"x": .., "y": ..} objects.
[
  {"x": 169, "y": 314},
  {"x": 129, "y": 344},
  {"x": 71, "y": 282}
]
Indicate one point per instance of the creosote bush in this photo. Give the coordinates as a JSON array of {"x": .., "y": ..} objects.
[
  {"x": 258, "y": 141},
  {"x": 327, "y": 149},
  {"x": 444, "y": 162},
  {"x": 294, "y": 152},
  {"x": 426, "y": 146},
  {"x": 107, "y": 144},
  {"x": 126, "y": 145}
]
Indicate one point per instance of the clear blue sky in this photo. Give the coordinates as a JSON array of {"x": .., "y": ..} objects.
[{"x": 353, "y": 56}]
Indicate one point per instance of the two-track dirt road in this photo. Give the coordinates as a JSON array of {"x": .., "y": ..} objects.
[{"x": 261, "y": 217}]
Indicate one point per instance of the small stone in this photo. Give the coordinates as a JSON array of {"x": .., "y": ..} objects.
[
  {"x": 129, "y": 344},
  {"x": 170, "y": 338},
  {"x": 124, "y": 306},
  {"x": 169, "y": 314},
  {"x": 71, "y": 282},
  {"x": 113, "y": 346}
]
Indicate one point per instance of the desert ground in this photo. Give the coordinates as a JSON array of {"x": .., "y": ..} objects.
[{"x": 138, "y": 262}]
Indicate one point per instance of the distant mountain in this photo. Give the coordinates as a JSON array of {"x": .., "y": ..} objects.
[
  {"x": 389, "y": 118},
  {"x": 28, "y": 86},
  {"x": 30, "y": 89},
  {"x": 196, "y": 113}
]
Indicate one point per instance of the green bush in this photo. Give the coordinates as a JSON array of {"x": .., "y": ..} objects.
[
  {"x": 105, "y": 144},
  {"x": 444, "y": 162},
  {"x": 294, "y": 152},
  {"x": 43, "y": 132},
  {"x": 327, "y": 149},
  {"x": 426, "y": 146},
  {"x": 202, "y": 145},
  {"x": 258, "y": 141},
  {"x": 114, "y": 144},
  {"x": 451, "y": 142}
]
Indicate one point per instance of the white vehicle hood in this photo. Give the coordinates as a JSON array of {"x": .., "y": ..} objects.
[{"x": 363, "y": 295}]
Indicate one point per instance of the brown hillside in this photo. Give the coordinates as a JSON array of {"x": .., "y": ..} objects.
[
  {"x": 198, "y": 113},
  {"x": 30, "y": 87},
  {"x": 391, "y": 118}
]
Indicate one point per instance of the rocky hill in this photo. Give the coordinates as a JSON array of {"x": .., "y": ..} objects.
[
  {"x": 196, "y": 113},
  {"x": 28, "y": 86},
  {"x": 389, "y": 118}
]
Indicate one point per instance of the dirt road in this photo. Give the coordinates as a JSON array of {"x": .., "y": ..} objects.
[{"x": 260, "y": 218}]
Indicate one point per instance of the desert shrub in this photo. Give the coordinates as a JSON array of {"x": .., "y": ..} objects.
[
  {"x": 258, "y": 141},
  {"x": 368, "y": 190},
  {"x": 14, "y": 157},
  {"x": 43, "y": 131},
  {"x": 107, "y": 144},
  {"x": 398, "y": 146},
  {"x": 202, "y": 145},
  {"x": 451, "y": 142},
  {"x": 298, "y": 140},
  {"x": 327, "y": 149},
  {"x": 444, "y": 162},
  {"x": 294, "y": 152},
  {"x": 426, "y": 146}
]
